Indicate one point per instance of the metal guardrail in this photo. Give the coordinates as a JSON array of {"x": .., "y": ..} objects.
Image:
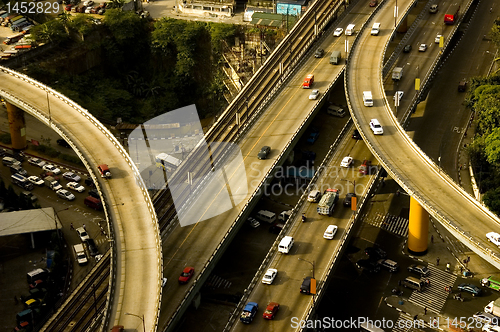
[{"x": 21, "y": 104}]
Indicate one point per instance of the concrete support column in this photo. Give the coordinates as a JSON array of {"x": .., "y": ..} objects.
[
  {"x": 403, "y": 27},
  {"x": 17, "y": 126},
  {"x": 418, "y": 228}
]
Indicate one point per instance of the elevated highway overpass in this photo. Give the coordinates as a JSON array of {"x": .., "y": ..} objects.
[
  {"x": 446, "y": 201},
  {"x": 136, "y": 256}
]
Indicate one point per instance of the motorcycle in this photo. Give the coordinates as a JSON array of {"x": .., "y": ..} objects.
[
  {"x": 458, "y": 297},
  {"x": 304, "y": 218},
  {"x": 397, "y": 291}
]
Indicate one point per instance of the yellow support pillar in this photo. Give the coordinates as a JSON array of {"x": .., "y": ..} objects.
[
  {"x": 418, "y": 228},
  {"x": 17, "y": 127}
]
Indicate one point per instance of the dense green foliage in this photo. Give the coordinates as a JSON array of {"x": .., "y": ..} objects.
[
  {"x": 484, "y": 151},
  {"x": 142, "y": 69}
]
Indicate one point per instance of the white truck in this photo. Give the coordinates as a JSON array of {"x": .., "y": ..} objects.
[
  {"x": 493, "y": 307},
  {"x": 81, "y": 257},
  {"x": 285, "y": 215},
  {"x": 397, "y": 73},
  {"x": 327, "y": 202},
  {"x": 52, "y": 183}
]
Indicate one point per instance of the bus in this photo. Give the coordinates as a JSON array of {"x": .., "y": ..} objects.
[
  {"x": 13, "y": 39},
  {"x": 167, "y": 162},
  {"x": 21, "y": 181},
  {"x": 491, "y": 282}
]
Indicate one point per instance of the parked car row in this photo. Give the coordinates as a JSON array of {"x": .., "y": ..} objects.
[
  {"x": 86, "y": 8},
  {"x": 21, "y": 178}
]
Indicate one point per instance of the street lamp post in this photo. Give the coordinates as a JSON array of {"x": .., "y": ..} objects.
[
  {"x": 48, "y": 105},
  {"x": 141, "y": 317},
  {"x": 305, "y": 260}
]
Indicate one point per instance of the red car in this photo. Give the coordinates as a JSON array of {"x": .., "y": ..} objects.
[
  {"x": 186, "y": 274},
  {"x": 373, "y": 3},
  {"x": 68, "y": 7},
  {"x": 365, "y": 168},
  {"x": 271, "y": 310}
]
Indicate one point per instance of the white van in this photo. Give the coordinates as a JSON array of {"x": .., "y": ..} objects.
[
  {"x": 367, "y": 98},
  {"x": 314, "y": 196},
  {"x": 350, "y": 29},
  {"x": 335, "y": 111},
  {"x": 375, "y": 29},
  {"x": 286, "y": 244},
  {"x": 81, "y": 257},
  {"x": 266, "y": 216}
]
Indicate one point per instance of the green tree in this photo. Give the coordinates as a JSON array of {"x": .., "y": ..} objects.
[
  {"x": 492, "y": 200},
  {"x": 125, "y": 26},
  {"x": 50, "y": 32},
  {"x": 492, "y": 147}
]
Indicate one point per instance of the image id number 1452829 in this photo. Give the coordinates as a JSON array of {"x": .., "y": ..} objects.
[{"x": 23, "y": 7}]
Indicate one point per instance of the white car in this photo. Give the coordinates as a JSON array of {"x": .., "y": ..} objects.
[
  {"x": 51, "y": 168},
  {"x": 75, "y": 186},
  {"x": 70, "y": 176},
  {"x": 35, "y": 180},
  {"x": 422, "y": 48},
  {"x": 494, "y": 238},
  {"x": 253, "y": 222},
  {"x": 437, "y": 39},
  {"x": 399, "y": 95},
  {"x": 63, "y": 193},
  {"x": 87, "y": 10},
  {"x": 269, "y": 276},
  {"x": 376, "y": 127},
  {"x": 314, "y": 95},
  {"x": 338, "y": 32},
  {"x": 330, "y": 232},
  {"x": 82, "y": 233},
  {"x": 88, "y": 3},
  {"x": 37, "y": 162},
  {"x": 346, "y": 162}
]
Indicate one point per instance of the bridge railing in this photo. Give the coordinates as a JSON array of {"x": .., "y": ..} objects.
[{"x": 48, "y": 121}]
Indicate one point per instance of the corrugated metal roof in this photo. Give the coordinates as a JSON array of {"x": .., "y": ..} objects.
[{"x": 29, "y": 221}]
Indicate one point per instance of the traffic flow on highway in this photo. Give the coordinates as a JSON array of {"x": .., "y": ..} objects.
[{"x": 312, "y": 210}]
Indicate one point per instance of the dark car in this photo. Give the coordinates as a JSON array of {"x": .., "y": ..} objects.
[
  {"x": 305, "y": 288},
  {"x": 369, "y": 265},
  {"x": 319, "y": 53},
  {"x": 276, "y": 228},
  {"x": 356, "y": 134},
  {"x": 92, "y": 247},
  {"x": 348, "y": 199},
  {"x": 419, "y": 269},
  {"x": 375, "y": 253},
  {"x": 462, "y": 85},
  {"x": 469, "y": 288},
  {"x": 407, "y": 48},
  {"x": 89, "y": 182},
  {"x": 264, "y": 152},
  {"x": 373, "y": 3},
  {"x": 94, "y": 193},
  {"x": 63, "y": 143},
  {"x": 186, "y": 274}
]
